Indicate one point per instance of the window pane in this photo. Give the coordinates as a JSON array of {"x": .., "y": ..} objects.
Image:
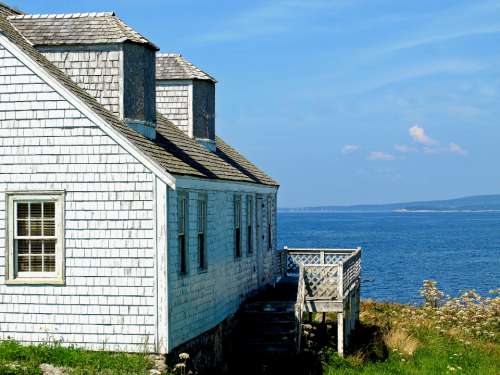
[
  {"x": 249, "y": 239},
  {"x": 36, "y": 228},
  {"x": 22, "y": 210},
  {"x": 36, "y": 210},
  {"x": 201, "y": 215},
  {"x": 237, "y": 212},
  {"x": 22, "y": 228},
  {"x": 23, "y": 247},
  {"x": 237, "y": 239},
  {"x": 49, "y": 247},
  {"x": 36, "y": 263},
  {"x": 182, "y": 215},
  {"x": 49, "y": 227},
  {"x": 23, "y": 264},
  {"x": 35, "y": 219},
  {"x": 182, "y": 254},
  {"x": 49, "y": 210},
  {"x": 36, "y": 247},
  {"x": 49, "y": 263},
  {"x": 201, "y": 250}
]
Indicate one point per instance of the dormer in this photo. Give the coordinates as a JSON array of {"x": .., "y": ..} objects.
[
  {"x": 102, "y": 55},
  {"x": 186, "y": 96}
]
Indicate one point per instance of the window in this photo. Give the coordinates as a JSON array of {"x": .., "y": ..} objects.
[
  {"x": 182, "y": 231},
  {"x": 269, "y": 223},
  {"x": 202, "y": 219},
  {"x": 250, "y": 224},
  {"x": 35, "y": 238},
  {"x": 237, "y": 226}
]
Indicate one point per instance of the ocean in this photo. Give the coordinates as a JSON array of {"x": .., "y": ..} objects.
[{"x": 401, "y": 249}]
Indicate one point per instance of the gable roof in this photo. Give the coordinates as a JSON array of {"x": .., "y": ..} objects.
[
  {"x": 172, "y": 149},
  {"x": 75, "y": 28},
  {"x": 175, "y": 66}
]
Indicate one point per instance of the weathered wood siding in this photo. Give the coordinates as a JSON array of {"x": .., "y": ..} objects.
[
  {"x": 108, "y": 300},
  {"x": 174, "y": 101},
  {"x": 200, "y": 300},
  {"x": 96, "y": 69}
]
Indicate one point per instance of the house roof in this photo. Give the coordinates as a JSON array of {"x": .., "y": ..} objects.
[
  {"x": 182, "y": 154},
  {"x": 238, "y": 161},
  {"x": 173, "y": 150},
  {"x": 174, "y": 66},
  {"x": 6, "y": 10},
  {"x": 75, "y": 28}
]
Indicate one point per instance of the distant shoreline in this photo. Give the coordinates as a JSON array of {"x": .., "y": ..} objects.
[
  {"x": 291, "y": 210},
  {"x": 478, "y": 203}
]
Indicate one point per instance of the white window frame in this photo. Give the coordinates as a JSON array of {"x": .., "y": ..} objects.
[{"x": 11, "y": 274}]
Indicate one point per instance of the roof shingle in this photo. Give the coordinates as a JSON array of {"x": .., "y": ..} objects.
[
  {"x": 175, "y": 66},
  {"x": 75, "y": 28}
]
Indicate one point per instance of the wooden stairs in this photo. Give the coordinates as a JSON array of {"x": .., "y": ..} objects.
[{"x": 268, "y": 324}]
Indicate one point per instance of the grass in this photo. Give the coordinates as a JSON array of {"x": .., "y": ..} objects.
[
  {"x": 445, "y": 336},
  {"x": 16, "y": 359}
]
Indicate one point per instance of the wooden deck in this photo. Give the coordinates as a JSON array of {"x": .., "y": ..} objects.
[{"x": 328, "y": 280}]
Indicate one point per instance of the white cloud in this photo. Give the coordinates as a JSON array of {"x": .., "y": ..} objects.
[
  {"x": 380, "y": 155},
  {"x": 349, "y": 149},
  {"x": 418, "y": 135},
  {"x": 457, "y": 149},
  {"x": 404, "y": 148}
]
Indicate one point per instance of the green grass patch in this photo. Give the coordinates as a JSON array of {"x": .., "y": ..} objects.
[
  {"x": 400, "y": 339},
  {"x": 16, "y": 359},
  {"x": 436, "y": 354}
]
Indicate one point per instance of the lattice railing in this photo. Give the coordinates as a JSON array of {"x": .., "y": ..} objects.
[
  {"x": 294, "y": 257},
  {"x": 351, "y": 271},
  {"x": 326, "y": 273},
  {"x": 321, "y": 281}
]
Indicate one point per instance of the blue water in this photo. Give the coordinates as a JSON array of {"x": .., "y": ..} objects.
[{"x": 400, "y": 250}]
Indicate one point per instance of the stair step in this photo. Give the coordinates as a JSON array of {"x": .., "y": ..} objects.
[
  {"x": 276, "y": 326},
  {"x": 269, "y": 307},
  {"x": 271, "y": 348}
]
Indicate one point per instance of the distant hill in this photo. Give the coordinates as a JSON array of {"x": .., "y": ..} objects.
[{"x": 474, "y": 203}]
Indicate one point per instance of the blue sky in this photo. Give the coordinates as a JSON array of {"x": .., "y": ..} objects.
[{"x": 342, "y": 101}]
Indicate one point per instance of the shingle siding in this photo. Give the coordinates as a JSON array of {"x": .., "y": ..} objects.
[
  {"x": 108, "y": 300},
  {"x": 200, "y": 300},
  {"x": 96, "y": 69},
  {"x": 174, "y": 101}
]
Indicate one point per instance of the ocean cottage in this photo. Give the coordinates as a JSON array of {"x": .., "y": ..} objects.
[
  {"x": 121, "y": 209},
  {"x": 126, "y": 222}
]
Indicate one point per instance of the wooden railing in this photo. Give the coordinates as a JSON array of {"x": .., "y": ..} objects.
[
  {"x": 351, "y": 271},
  {"x": 289, "y": 259},
  {"x": 324, "y": 276}
]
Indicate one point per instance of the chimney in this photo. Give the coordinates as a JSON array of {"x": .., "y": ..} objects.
[
  {"x": 186, "y": 96},
  {"x": 102, "y": 55}
]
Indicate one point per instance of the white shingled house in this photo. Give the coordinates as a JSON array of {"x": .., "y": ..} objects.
[{"x": 125, "y": 221}]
